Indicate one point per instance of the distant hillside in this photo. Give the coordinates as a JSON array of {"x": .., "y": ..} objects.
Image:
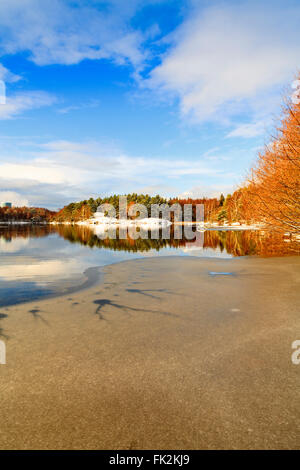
[{"x": 28, "y": 214}]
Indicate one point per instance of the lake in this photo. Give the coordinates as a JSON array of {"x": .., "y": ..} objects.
[{"x": 38, "y": 261}]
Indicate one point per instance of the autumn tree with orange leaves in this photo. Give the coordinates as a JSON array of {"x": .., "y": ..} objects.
[{"x": 274, "y": 183}]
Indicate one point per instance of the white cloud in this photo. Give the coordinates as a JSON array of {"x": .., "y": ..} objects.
[
  {"x": 66, "y": 32},
  {"x": 221, "y": 58},
  {"x": 248, "y": 130},
  {"x": 163, "y": 190},
  {"x": 7, "y": 76},
  {"x": 208, "y": 191},
  {"x": 13, "y": 197},
  {"x": 25, "y": 101},
  {"x": 96, "y": 161},
  {"x": 60, "y": 171},
  {"x": 68, "y": 109}
]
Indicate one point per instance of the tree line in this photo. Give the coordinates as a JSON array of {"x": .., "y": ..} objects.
[
  {"x": 27, "y": 214},
  {"x": 78, "y": 211}
]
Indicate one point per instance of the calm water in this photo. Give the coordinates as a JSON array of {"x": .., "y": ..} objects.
[{"x": 38, "y": 261}]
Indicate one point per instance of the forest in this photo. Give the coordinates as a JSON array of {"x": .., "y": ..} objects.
[
  {"x": 214, "y": 207},
  {"x": 83, "y": 210}
]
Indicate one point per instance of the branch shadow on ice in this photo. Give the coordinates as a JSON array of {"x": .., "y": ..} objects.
[
  {"x": 147, "y": 292},
  {"x": 125, "y": 308},
  {"x": 35, "y": 313}
]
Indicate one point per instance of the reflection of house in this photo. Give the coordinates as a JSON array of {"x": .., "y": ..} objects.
[{"x": 5, "y": 204}]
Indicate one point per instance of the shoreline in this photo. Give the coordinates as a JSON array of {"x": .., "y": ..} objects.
[
  {"x": 95, "y": 275},
  {"x": 207, "y": 225}
]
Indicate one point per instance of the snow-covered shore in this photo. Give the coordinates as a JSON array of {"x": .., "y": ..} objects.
[
  {"x": 216, "y": 226},
  {"x": 153, "y": 222},
  {"x": 101, "y": 220},
  {"x": 146, "y": 223}
]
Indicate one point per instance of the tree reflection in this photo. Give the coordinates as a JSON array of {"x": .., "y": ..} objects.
[{"x": 233, "y": 242}]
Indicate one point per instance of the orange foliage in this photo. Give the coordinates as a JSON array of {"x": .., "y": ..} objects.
[
  {"x": 30, "y": 214},
  {"x": 211, "y": 206},
  {"x": 274, "y": 186}
]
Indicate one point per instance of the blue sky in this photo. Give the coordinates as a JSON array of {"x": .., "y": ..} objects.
[{"x": 170, "y": 97}]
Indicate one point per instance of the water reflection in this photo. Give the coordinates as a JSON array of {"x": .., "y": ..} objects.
[
  {"x": 49, "y": 260},
  {"x": 231, "y": 242}
]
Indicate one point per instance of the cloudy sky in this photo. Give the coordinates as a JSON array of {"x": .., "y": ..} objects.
[{"x": 160, "y": 96}]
